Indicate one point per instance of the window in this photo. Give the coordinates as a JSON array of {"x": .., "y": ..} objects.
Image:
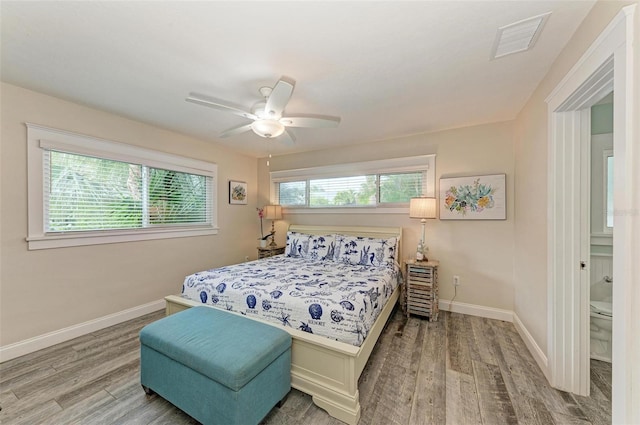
[
  {"x": 342, "y": 191},
  {"x": 384, "y": 183},
  {"x": 85, "y": 191},
  {"x": 400, "y": 188},
  {"x": 608, "y": 157},
  {"x": 293, "y": 193}
]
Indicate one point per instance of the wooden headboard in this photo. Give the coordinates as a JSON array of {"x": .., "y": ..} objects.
[{"x": 370, "y": 232}]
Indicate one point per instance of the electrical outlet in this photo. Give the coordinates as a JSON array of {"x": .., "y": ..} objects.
[{"x": 456, "y": 280}]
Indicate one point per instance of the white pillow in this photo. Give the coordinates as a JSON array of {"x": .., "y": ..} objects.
[
  {"x": 311, "y": 247},
  {"x": 364, "y": 251}
]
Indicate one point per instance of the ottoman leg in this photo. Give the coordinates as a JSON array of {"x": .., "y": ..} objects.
[
  {"x": 147, "y": 390},
  {"x": 281, "y": 402}
]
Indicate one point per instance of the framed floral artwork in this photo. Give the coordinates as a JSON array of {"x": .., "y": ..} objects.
[
  {"x": 237, "y": 192},
  {"x": 473, "y": 198}
]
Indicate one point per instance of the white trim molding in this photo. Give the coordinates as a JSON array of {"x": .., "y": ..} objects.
[
  {"x": 419, "y": 163},
  {"x": 352, "y": 210},
  {"x": 50, "y": 339},
  {"x": 535, "y": 350},
  {"x": 476, "y": 310},
  {"x": 504, "y": 315},
  {"x": 604, "y": 239},
  {"x": 390, "y": 165},
  {"x": 607, "y": 65},
  {"x": 40, "y": 138}
]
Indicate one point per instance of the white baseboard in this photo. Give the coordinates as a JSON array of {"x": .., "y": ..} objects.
[
  {"x": 507, "y": 316},
  {"x": 39, "y": 342},
  {"x": 476, "y": 310},
  {"x": 533, "y": 347},
  {"x": 31, "y": 345}
]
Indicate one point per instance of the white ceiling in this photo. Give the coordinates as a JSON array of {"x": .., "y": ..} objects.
[{"x": 389, "y": 69}]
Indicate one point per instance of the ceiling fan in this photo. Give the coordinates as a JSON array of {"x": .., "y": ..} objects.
[{"x": 267, "y": 114}]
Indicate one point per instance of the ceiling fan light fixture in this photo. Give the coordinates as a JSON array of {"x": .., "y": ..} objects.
[
  {"x": 267, "y": 128},
  {"x": 267, "y": 114}
]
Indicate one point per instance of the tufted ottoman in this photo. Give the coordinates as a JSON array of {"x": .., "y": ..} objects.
[{"x": 218, "y": 367}]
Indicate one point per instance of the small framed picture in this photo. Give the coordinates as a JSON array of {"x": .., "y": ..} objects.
[{"x": 237, "y": 192}]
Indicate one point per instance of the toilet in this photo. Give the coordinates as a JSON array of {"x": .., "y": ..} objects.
[{"x": 601, "y": 321}]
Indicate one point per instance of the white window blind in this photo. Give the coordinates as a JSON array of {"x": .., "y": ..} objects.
[
  {"x": 401, "y": 187},
  {"x": 349, "y": 191},
  {"x": 85, "y": 191},
  {"x": 382, "y": 183},
  {"x": 292, "y": 193}
]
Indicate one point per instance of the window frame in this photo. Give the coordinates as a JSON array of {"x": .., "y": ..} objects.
[
  {"x": 422, "y": 163},
  {"x": 41, "y": 138},
  {"x": 606, "y": 154}
]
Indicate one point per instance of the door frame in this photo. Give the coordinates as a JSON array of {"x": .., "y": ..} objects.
[{"x": 606, "y": 66}]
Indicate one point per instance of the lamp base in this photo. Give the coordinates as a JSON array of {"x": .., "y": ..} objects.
[
  {"x": 273, "y": 235},
  {"x": 421, "y": 252}
]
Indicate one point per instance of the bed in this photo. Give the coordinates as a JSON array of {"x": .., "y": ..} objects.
[{"x": 325, "y": 363}]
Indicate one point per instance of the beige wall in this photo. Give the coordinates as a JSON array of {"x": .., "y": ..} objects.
[
  {"x": 531, "y": 177},
  {"x": 480, "y": 252},
  {"x": 46, "y": 290},
  {"x": 502, "y": 264}
]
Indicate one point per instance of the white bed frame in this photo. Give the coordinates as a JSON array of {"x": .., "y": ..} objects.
[{"x": 325, "y": 369}]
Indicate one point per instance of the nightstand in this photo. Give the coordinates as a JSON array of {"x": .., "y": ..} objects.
[
  {"x": 421, "y": 288},
  {"x": 270, "y": 251}
]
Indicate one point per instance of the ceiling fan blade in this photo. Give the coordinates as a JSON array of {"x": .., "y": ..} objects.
[
  {"x": 287, "y": 138},
  {"x": 212, "y": 102},
  {"x": 279, "y": 98},
  {"x": 314, "y": 121},
  {"x": 236, "y": 130}
]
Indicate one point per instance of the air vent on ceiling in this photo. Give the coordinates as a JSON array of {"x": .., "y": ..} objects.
[{"x": 519, "y": 36}]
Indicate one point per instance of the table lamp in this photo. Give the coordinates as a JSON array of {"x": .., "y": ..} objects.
[
  {"x": 273, "y": 213},
  {"x": 422, "y": 207}
]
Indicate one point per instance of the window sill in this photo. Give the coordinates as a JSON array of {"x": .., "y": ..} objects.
[
  {"x": 353, "y": 210},
  {"x": 97, "y": 238},
  {"x": 601, "y": 238}
]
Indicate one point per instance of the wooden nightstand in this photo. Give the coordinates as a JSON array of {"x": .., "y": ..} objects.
[
  {"x": 421, "y": 288},
  {"x": 270, "y": 251}
]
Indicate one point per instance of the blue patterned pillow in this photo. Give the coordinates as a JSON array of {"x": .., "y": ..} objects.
[
  {"x": 364, "y": 251},
  {"x": 312, "y": 247}
]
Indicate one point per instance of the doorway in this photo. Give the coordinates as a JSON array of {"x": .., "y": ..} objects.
[
  {"x": 601, "y": 231},
  {"x": 606, "y": 66},
  {"x": 601, "y": 247}
]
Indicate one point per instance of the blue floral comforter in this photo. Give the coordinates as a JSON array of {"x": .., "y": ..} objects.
[{"x": 336, "y": 300}]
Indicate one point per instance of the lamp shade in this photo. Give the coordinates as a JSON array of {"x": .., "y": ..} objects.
[
  {"x": 422, "y": 207},
  {"x": 273, "y": 212},
  {"x": 267, "y": 128}
]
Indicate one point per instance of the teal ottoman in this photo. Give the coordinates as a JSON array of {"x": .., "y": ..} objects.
[{"x": 216, "y": 366}]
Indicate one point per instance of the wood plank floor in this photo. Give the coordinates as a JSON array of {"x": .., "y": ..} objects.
[{"x": 459, "y": 370}]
